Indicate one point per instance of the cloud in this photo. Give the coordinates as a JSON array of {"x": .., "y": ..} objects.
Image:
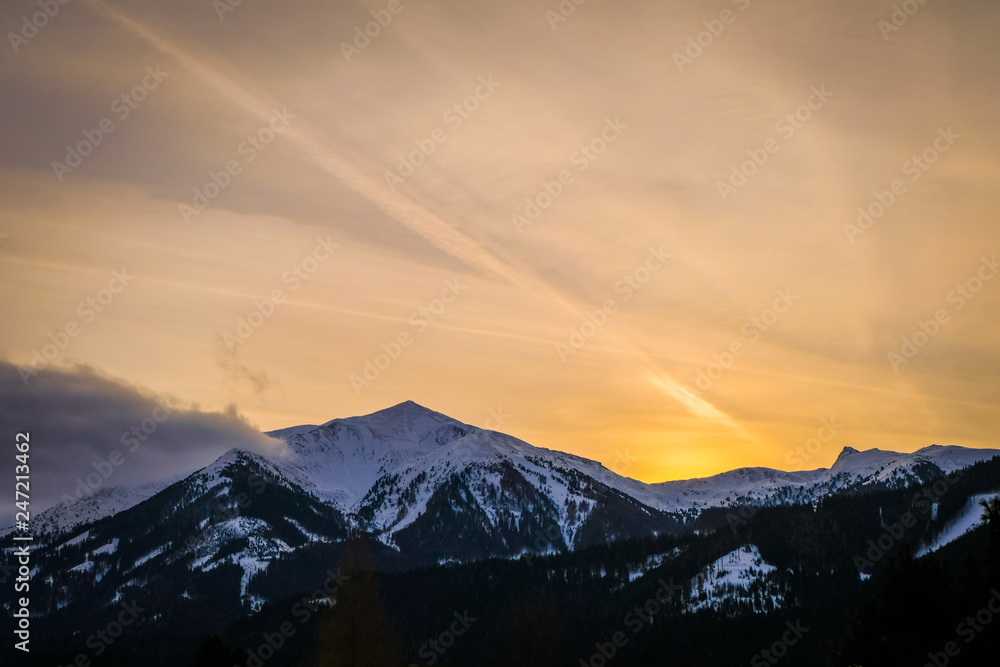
[
  {"x": 415, "y": 217},
  {"x": 77, "y": 418},
  {"x": 657, "y": 184},
  {"x": 239, "y": 374}
]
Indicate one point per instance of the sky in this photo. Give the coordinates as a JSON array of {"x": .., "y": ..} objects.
[{"x": 674, "y": 237}]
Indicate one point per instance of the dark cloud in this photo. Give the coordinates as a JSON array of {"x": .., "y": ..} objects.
[{"x": 78, "y": 418}]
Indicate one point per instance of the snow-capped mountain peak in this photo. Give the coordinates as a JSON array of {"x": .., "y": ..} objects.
[
  {"x": 340, "y": 460},
  {"x": 950, "y": 458},
  {"x": 844, "y": 453}
]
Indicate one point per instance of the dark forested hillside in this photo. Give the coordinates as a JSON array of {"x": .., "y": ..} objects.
[{"x": 836, "y": 583}]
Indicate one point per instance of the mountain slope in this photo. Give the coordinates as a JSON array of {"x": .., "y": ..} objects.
[
  {"x": 228, "y": 520},
  {"x": 853, "y": 469},
  {"x": 407, "y": 468},
  {"x": 427, "y": 489}
]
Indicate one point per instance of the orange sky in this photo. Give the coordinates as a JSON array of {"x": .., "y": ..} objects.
[{"x": 612, "y": 124}]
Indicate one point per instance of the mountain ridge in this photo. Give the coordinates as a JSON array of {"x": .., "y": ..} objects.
[
  {"x": 423, "y": 488},
  {"x": 393, "y": 438}
]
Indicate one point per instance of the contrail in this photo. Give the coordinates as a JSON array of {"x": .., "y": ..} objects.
[
  {"x": 419, "y": 220},
  {"x": 396, "y": 205}
]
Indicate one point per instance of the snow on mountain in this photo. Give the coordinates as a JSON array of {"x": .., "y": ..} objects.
[
  {"x": 741, "y": 486},
  {"x": 410, "y": 475},
  {"x": 340, "y": 460},
  {"x": 217, "y": 472},
  {"x": 651, "y": 563},
  {"x": 968, "y": 519},
  {"x": 512, "y": 488},
  {"x": 894, "y": 469},
  {"x": 228, "y": 496},
  {"x": 738, "y": 581},
  {"x": 67, "y": 515},
  {"x": 951, "y": 458},
  {"x": 386, "y": 468},
  {"x": 765, "y": 486},
  {"x": 432, "y": 490}
]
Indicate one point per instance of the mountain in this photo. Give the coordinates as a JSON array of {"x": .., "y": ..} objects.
[
  {"x": 418, "y": 478},
  {"x": 853, "y": 470},
  {"x": 90, "y": 508},
  {"x": 424, "y": 488}
]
